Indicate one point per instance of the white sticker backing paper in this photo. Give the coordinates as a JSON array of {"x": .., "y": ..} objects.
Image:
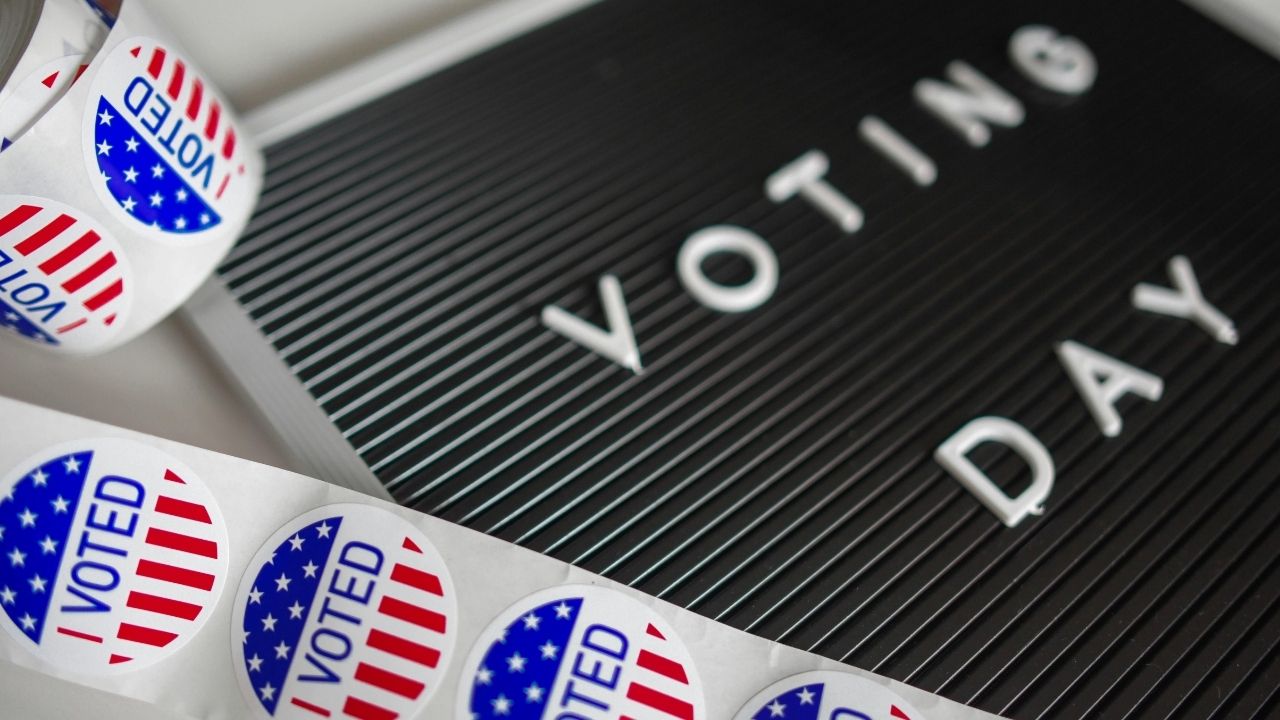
[{"x": 342, "y": 606}]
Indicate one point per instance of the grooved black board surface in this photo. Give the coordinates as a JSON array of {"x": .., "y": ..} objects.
[{"x": 773, "y": 469}]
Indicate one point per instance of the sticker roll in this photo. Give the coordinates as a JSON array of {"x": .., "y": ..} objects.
[
  {"x": 138, "y": 569},
  {"x": 47, "y": 43},
  {"x": 121, "y": 198}
]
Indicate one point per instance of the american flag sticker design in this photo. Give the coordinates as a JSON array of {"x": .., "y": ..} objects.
[
  {"x": 346, "y": 612},
  {"x": 827, "y": 695},
  {"x": 112, "y": 556},
  {"x": 162, "y": 147},
  {"x": 581, "y": 652},
  {"x": 64, "y": 282}
]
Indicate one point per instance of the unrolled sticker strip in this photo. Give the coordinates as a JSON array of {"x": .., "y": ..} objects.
[
  {"x": 114, "y": 557},
  {"x": 144, "y": 151}
]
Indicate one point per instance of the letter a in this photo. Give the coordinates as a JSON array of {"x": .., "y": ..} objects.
[
  {"x": 618, "y": 344},
  {"x": 953, "y": 456},
  {"x": 1087, "y": 366}
]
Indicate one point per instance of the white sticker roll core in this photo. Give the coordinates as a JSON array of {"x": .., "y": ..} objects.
[{"x": 65, "y": 36}]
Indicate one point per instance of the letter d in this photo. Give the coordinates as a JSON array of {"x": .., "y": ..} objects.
[
  {"x": 953, "y": 455},
  {"x": 614, "y": 645},
  {"x": 133, "y": 100}
]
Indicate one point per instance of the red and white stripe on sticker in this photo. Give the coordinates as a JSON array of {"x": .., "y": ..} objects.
[
  {"x": 63, "y": 280},
  {"x": 206, "y": 112}
]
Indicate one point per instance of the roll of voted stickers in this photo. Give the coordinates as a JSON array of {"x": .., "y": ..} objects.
[
  {"x": 64, "y": 281},
  {"x": 112, "y": 556},
  {"x": 143, "y": 150},
  {"x": 827, "y": 695},
  {"x": 580, "y": 652},
  {"x": 57, "y": 49},
  {"x": 347, "y": 611}
]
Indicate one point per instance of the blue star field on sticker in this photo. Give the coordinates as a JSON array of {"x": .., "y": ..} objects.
[
  {"x": 142, "y": 182},
  {"x": 35, "y": 522},
  {"x": 827, "y": 695},
  {"x": 520, "y": 669},
  {"x": 801, "y": 703},
  {"x": 279, "y": 600}
]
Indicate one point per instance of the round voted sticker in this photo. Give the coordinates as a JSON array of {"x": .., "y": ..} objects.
[
  {"x": 580, "y": 651},
  {"x": 347, "y": 611},
  {"x": 113, "y": 555},
  {"x": 162, "y": 145},
  {"x": 827, "y": 695},
  {"x": 64, "y": 282}
]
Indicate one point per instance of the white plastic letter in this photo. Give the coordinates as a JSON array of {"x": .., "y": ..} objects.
[
  {"x": 1061, "y": 64},
  {"x": 1102, "y": 379},
  {"x": 879, "y": 135},
  {"x": 803, "y": 177},
  {"x": 953, "y": 455},
  {"x": 618, "y": 344},
  {"x": 1185, "y": 301},
  {"x": 970, "y": 100},
  {"x": 728, "y": 239}
]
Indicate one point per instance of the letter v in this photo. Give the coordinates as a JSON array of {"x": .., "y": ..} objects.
[
  {"x": 92, "y": 604},
  {"x": 326, "y": 675},
  {"x": 618, "y": 344}
]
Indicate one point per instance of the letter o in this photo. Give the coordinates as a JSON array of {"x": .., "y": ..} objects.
[
  {"x": 192, "y": 143},
  {"x": 343, "y": 642},
  {"x": 728, "y": 239},
  {"x": 23, "y": 297},
  {"x": 107, "y": 577}
]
